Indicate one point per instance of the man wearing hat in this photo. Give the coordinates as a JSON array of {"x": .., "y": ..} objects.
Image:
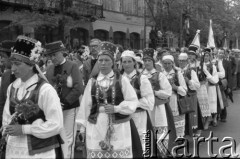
[
  {"x": 32, "y": 116},
  {"x": 89, "y": 67},
  {"x": 108, "y": 102},
  {"x": 65, "y": 77}
]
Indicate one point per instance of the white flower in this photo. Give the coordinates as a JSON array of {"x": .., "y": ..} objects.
[
  {"x": 69, "y": 81},
  {"x": 36, "y": 52},
  {"x": 86, "y": 53}
]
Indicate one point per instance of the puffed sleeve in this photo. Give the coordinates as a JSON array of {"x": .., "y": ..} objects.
[
  {"x": 194, "y": 83},
  {"x": 165, "y": 87},
  {"x": 6, "y": 114},
  {"x": 147, "y": 100},
  {"x": 85, "y": 106},
  {"x": 182, "y": 89},
  {"x": 221, "y": 72},
  {"x": 49, "y": 102},
  {"x": 129, "y": 105},
  {"x": 212, "y": 78}
]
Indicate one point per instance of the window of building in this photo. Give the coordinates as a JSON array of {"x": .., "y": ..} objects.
[
  {"x": 101, "y": 34},
  {"x": 135, "y": 41},
  {"x": 9, "y": 33},
  {"x": 46, "y": 34},
  {"x": 81, "y": 34},
  {"x": 130, "y": 7},
  {"x": 112, "y": 5},
  {"x": 119, "y": 38}
]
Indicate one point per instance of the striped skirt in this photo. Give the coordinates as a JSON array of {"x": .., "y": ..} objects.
[
  {"x": 179, "y": 122},
  {"x": 202, "y": 96},
  {"x": 194, "y": 115}
]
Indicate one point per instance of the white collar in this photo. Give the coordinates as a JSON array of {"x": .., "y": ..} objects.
[
  {"x": 185, "y": 68},
  {"x": 130, "y": 75},
  {"x": 64, "y": 60},
  {"x": 32, "y": 80},
  {"x": 80, "y": 67},
  {"x": 159, "y": 63},
  {"x": 146, "y": 72},
  {"x": 194, "y": 64},
  {"x": 207, "y": 63},
  {"x": 108, "y": 76},
  {"x": 93, "y": 58},
  {"x": 169, "y": 73}
]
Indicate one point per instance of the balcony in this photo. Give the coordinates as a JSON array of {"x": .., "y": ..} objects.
[
  {"x": 88, "y": 9},
  {"x": 71, "y": 7}
]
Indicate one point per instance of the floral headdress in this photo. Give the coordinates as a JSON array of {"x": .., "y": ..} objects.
[
  {"x": 29, "y": 51},
  {"x": 26, "y": 50}
]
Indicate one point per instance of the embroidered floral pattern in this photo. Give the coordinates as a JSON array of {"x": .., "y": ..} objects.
[{"x": 105, "y": 144}]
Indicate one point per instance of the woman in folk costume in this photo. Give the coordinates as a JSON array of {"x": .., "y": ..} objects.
[
  {"x": 193, "y": 120},
  {"x": 161, "y": 115},
  {"x": 179, "y": 87},
  {"x": 144, "y": 91},
  {"x": 202, "y": 93},
  {"x": 32, "y": 117},
  {"x": 211, "y": 74},
  {"x": 108, "y": 102}
]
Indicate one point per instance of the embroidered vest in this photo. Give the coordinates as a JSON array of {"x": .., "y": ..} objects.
[
  {"x": 210, "y": 69},
  {"x": 136, "y": 83},
  {"x": 114, "y": 96},
  {"x": 174, "y": 78},
  {"x": 35, "y": 145},
  {"x": 156, "y": 87},
  {"x": 155, "y": 81},
  {"x": 201, "y": 75}
]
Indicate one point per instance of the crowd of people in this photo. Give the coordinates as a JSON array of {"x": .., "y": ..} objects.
[{"x": 109, "y": 98}]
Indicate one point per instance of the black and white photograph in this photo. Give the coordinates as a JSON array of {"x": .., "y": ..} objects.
[{"x": 119, "y": 79}]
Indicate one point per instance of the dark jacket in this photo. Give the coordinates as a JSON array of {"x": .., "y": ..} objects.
[
  {"x": 228, "y": 66},
  {"x": 88, "y": 70},
  {"x": 7, "y": 79},
  {"x": 69, "y": 96}
]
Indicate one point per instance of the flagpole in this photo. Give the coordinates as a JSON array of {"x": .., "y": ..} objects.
[
  {"x": 236, "y": 40},
  {"x": 225, "y": 42}
]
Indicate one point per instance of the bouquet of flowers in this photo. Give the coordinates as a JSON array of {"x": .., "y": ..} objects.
[
  {"x": 59, "y": 80},
  {"x": 26, "y": 111}
]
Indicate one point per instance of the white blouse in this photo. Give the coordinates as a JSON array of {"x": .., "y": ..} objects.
[
  {"x": 126, "y": 107},
  {"x": 165, "y": 87},
  {"x": 213, "y": 78},
  {"x": 182, "y": 88},
  {"x": 147, "y": 96},
  {"x": 221, "y": 70},
  {"x": 48, "y": 102},
  {"x": 194, "y": 83}
]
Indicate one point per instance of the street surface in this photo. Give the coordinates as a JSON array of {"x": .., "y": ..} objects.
[{"x": 231, "y": 128}]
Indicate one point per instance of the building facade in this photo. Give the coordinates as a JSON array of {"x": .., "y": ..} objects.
[{"x": 125, "y": 22}]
